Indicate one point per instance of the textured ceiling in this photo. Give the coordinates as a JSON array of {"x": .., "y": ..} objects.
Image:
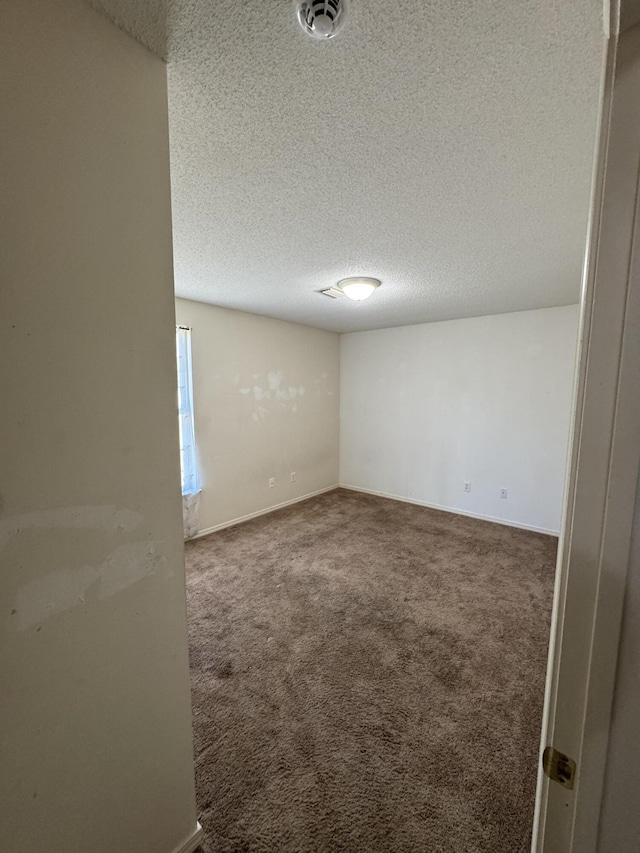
[{"x": 444, "y": 147}]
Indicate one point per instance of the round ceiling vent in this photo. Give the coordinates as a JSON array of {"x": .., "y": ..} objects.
[{"x": 321, "y": 19}]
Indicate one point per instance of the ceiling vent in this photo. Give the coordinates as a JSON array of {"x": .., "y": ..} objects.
[
  {"x": 333, "y": 292},
  {"x": 321, "y": 19}
]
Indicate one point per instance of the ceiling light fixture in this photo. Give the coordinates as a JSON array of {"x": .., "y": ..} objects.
[
  {"x": 321, "y": 19},
  {"x": 358, "y": 288}
]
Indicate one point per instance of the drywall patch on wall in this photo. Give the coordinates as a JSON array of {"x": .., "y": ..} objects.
[
  {"x": 60, "y": 590},
  {"x": 271, "y": 391},
  {"x": 107, "y": 518},
  {"x": 63, "y": 589},
  {"x": 274, "y": 378}
]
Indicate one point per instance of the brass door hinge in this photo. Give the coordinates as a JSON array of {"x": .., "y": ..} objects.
[{"x": 559, "y": 767}]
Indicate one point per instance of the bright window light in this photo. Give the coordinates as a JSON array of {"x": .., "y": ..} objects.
[{"x": 188, "y": 461}]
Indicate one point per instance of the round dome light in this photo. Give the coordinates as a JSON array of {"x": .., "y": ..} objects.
[{"x": 358, "y": 288}]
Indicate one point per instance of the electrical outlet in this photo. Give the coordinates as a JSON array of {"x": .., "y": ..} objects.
[
  {"x": 467, "y": 485},
  {"x": 272, "y": 482},
  {"x": 293, "y": 476},
  {"x": 504, "y": 493}
]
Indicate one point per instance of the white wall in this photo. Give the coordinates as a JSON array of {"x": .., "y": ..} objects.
[
  {"x": 95, "y": 710},
  {"x": 486, "y": 400},
  {"x": 266, "y": 399}
]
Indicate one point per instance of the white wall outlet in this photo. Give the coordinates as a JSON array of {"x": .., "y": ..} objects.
[
  {"x": 272, "y": 482},
  {"x": 504, "y": 493},
  {"x": 293, "y": 476},
  {"x": 467, "y": 485}
]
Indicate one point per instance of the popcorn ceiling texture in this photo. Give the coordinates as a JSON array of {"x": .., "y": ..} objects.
[
  {"x": 445, "y": 148},
  {"x": 146, "y": 20}
]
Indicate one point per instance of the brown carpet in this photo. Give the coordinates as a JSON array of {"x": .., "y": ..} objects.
[{"x": 368, "y": 676}]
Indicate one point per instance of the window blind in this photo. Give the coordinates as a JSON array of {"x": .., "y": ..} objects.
[{"x": 188, "y": 461}]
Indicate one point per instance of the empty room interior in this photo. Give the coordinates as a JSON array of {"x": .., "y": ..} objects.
[
  {"x": 358, "y": 228},
  {"x": 376, "y": 488}
]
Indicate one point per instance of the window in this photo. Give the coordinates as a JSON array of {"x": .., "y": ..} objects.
[{"x": 188, "y": 464}]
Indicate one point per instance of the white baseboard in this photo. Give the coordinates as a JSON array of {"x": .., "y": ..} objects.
[
  {"x": 454, "y": 511},
  {"x": 265, "y": 511},
  {"x": 192, "y": 842}
]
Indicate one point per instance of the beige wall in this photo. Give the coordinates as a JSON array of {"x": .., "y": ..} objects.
[
  {"x": 266, "y": 398},
  {"x": 95, "y": 725}
]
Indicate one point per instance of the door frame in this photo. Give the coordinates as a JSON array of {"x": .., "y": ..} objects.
[{"x": 603, "y": 465}]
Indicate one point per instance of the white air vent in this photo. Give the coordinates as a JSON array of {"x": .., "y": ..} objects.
[
  {"x": 321, "y": 19},
  {"x": 333, "y": 292}
]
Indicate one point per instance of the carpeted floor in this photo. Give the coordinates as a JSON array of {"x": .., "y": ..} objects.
[{"x": 368, "y": 676}]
